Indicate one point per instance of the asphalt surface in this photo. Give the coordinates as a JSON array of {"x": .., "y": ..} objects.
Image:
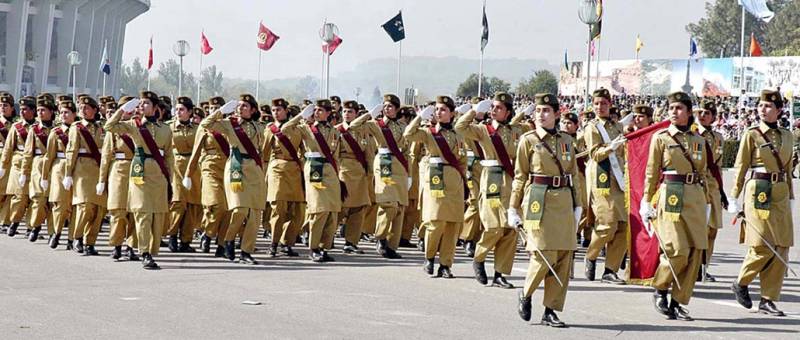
[{"x": 57, "y": 294}]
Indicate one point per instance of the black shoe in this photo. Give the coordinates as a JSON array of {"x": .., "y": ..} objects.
[
  {"x": 679, "y": 312},
  {"x": 205, "y": 244},
  {"x": 116, "y": 253},
  {"x": 131, "y": 254},
  {"x": 90, "y": 251},
  {"x": 480, "y": 272},
  {"x": 186, "y": 248},
  {"x": 381, "y": 247},
  {"x": 428, "y": 266},
  {"x": 392, "y": 254},
  {"x": 551, "y": 319},
  {"x": 173, "y": 243},
  {"x": 460, "y": 243},
  {"x": 148, "y": 262},
  {"x": 612, "y": 278},
  {"x": 162, "y": 244},
  {"x": 768, "y": 307},
  {"x": 287, "y": 250},
  {"x": 444, "y": 272},
  {"x": 220, "y": 252},
  {"x": 421, "y": 245},
  {"x": 12, "y": 230},
  {"x": 590, "y": 269},
  {"x": 406, "y": 243},
  {"x": 245, "y": 258},
  {"x": 586, "y": 242},
  {"x": 326, "y": 257},
  {"x": 69, "y": 245},
  {"x": 54, "y": 239},
  {"x": 524, "y": 307},
  {"x": 315, "y": 256},
  {"x": 79, "y": 246},
  {"x": 660, "y": 301},
  {"x": 350, "y": 248},
  {"x": 710, "y": 278},
  {"x": 469, "y": 248},
  {"x": 230, "y": 252},
  {"x": 500, "y": 281},
  {"x": 742, "y": 295},
  {"x": 273, "y": 250},
  {"x": 624, "y": 262},
  {"x": 34, "y": 234},
  {"x": 304, "y": 239}
]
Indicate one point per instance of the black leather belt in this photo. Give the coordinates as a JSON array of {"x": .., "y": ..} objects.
[
  {"x": 773, "y": 177},
  {"x": 554, "y": 182},
  {"x": 690, "y": 178}
]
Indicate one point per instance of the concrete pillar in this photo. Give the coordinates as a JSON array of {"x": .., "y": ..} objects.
[
  {"x": 96, "y": 51},
  {"x": 85, "y": 40},
  {"x": 133, "y": 11},
  {"x": 16, "y": 30},
  {"x": 42, "y": 40},
  {"x": 66, "y": 40}
]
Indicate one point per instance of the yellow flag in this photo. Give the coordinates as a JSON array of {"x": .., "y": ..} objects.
[{"x": 639, "y": 44}]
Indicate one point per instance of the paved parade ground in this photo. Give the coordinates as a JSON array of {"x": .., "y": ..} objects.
[{"x": 46, "y": 294}]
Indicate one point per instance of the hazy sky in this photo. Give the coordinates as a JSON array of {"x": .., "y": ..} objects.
[{"x": 539, "y": 29}]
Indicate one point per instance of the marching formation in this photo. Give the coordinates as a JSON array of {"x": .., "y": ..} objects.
[{"x": 484, "y": 174}]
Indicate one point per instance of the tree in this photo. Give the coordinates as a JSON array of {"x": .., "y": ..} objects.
[
  {"x": 489, "y": 86},
  {"x": 133, "y": 78},
  {"x": 168, "y": 73},
  {"x": 543, "y": 81},
  {"x": 307, "y": 86},
  {"x": 377, "y": 97},
  {"x": 719, "y": 32},
  {"x": 211, "y": 81}
]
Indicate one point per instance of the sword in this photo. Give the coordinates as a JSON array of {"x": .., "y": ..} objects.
[
  {"x": 550, "y": 267},
  {"x": 664, "y": 250},
  {"x": 769, "y": 245}
]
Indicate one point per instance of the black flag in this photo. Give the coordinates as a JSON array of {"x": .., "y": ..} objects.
[
  {"x": 485, "y": 34},
  {"x": 394, "y": 27}
]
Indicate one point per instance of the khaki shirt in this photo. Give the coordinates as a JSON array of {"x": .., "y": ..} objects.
[
  {"x": 208, "y": 157},
  {"x": 284, "y": 175},
  {"x": 12, "y": 158},
  {"x": 352, "y": 172},
  {"x": 85, "y": 171},
  {"x": 714, "y": 141},
  {"x": 115, "y": 168},
  {"x": 388, "y": 192},
  {"x": 54, "y": 168},
  {"x": 34, "y": 159},
  {"x": 183, "y": 137},
  {"x": 324, "y": 196},
  {"x": 608, "y": 209}
]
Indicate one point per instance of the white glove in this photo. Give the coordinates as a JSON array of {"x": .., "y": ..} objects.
[
  {"x": 410, "y": 182},
  {"x": 67, "y": 182},
  {"x": 708, "y": 213},
  {"x": 733, "y": 206},
  {"x": 627, "y": 119},
  {"x": 577, "y": 212},
  {"x": 464, "y": 108},
  {"x": 528, "y": 110},
  {"x": 229, "y": 107},
  {"x": 513, "y": 218},
  {"x": 2, "y": 172},
  {"x": 483, "y": 107},
  {"x": 22, "y": 179},
  {"x": 646, "y": 211},
  {"x": 617, "y": 142},
  {"x": 130, "y": 105},
  {"x": 187, "y": 183},
  {"x": 376, "y": 111},
  {"x": 426, "y": 113},
  {"x": 99, "y": 188},
  {"x": 307, "y": 112},
  {"x": 44, "y": 184}
]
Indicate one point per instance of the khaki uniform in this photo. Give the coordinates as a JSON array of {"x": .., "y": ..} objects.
[
  {"x": 473, "y": 228},
  {"x": 391, "y": 193},
  {"x": 32, "y": 165},
  {"x": 495, "y": 190},
  {"x": 775, "y": 226},
  {"x": 411, "y": 215},
  {"x": 11, "y": 161},
  {"x": 53, "y": 171},
  {"x": 147, "y": 201},
  {"x": 185, "y": 210},
  {"x": 681, "y": 224},
  {"x": 284, "y": 188},
  {"x": 209, "y": 158},
  {"x": 115, "y": 168},
  {"x": 245, "y": 205},
  {"x": 323, "y": 194},
  {"x": 714, "y": 141},
  {"x": 5, "y": 199},
  {"x": 442, "y": 208},
  {"x": 587, "y": 219},
  {"x": 608, "y": 204},
  {"x": 551, "y": 235},
  {"x": 88, "y": 207},
  {"x": 358, "y": 183}
]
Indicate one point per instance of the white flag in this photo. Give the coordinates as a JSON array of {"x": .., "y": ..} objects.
[{"x": 758, "y": 8}]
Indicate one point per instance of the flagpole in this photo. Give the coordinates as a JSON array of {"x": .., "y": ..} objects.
[
  {"x": 741, "y": 54},
  {"x": 399, "y": 62},
  {"x": 322, "y": 77},
  {"x": 258, "y": 81},
  {"x": 480, "y": 75},
  {"x": 200, "y": 75},
  {"x": 597, "y": 65},
  {"x": 104, "y": 84},
  {"x": 328, "y": 75},
  {"x": 148, "y": 80}
]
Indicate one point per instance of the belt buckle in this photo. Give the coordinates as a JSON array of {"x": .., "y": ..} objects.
[
  {"x": 773, "y": 177},
  {"x": 556, "y": 182},
  {"x": 690, "y": 178}
]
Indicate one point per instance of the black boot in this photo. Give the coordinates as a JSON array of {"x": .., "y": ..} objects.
[
  {"x": 148, "y": 262},
  {"x": 245, "y": 258},
  {"x": 421, "y": 245},
  {"x": 173, "y": 243},
  {"x": 116, "y": 253},
  {"x": 54, "y": 239},
  {"x": 79, "y": 246},
  {"x": 12, "y": 230},
  {"x": 768, "y": 307},
  {"x": 34, "y": 234},
  {"x": 404, "y": 243},
  {"x": 205, "y": 244},
  {"x": 624, "y": 262},
  {"x": 524, "y": 307},
  {"x": 69, "y": 245},
  {"x": 381, "y": 247},
  {"x": 742, "y": 295},
  {"x": 428, "y": 266},
  {"x": 186, "y": 247},
  {"x": 392, "y": 254},
  {"x": 660, "y": 301},
  {"x": 273, "y": 250},
  {"x": 444, "y": 272},
  {"x": 679, "y": 312},
  {"x": 350, "y": 248},
  {"x": 611, "y": 277},
  {"x": 500, "y": 281},
  {"x": 551, "y": 319},
  {"x": 315, "y": 256},
  {"x": 131, "y": 254},
  {"x": 590, "y": 268},
  {"x": 480, "y": 272},
  {"x": 287, "y": 250},
  {"x": 90, "y": 251},
  {"x": 469, "y": 248},
  {"x": 326, "y": 257},
  {"x": 230, "y": 252}
]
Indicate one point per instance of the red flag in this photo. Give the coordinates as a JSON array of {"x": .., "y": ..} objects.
[
  {"x": 150, "y": 55},
  {"x": 644, "y": 244},
  {"x": 265, "y": 37},
  {"x": 333, "y": 45},
  {"x": 755, "y": 48},
  {"x": 205, "y": 46}
]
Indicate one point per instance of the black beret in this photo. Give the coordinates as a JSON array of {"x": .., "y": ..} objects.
[
  {"x": 547, "y": 99},
  {"x": 709, "y": 105},
  {"x": 124, "y": 99},
  {"x": 69, "y": 105},
  {"x": 293, "y": 110},
  {"x": 166, "y": 100},
  {"x": 186, "y": 101},
  {"x": 47, "y": 103},
  {"x": 392, "y": 99},
  {"x": 446, "y": 101},
  {"x": 265, "y": 108},
  {"x": 642, "y": 109},
  {"x": 325, "y": 104},
  {"x": 407, "y": 111},
  {"x": 64, "y": 97},
  {"x": 106, "y": 99},
  {"x": 204, "y": 104},
  {"x": 46, "y": 95},
  {"x": 248, "y": 98},
  {"x": 7, "y": 98},
  {"x": 505, "y": 98},
  {"x": 772, "y": 97},
  {"x": 88, "y": 100},
  {"x": 198, "y": 112},
  {"x": 280, "y": 102},
  {"x": 601, "y": 93},
  {"x": 218, "y": 101},
  {"x": 28, "y": 101},
  {"x": 680, "y": 97},
  {"x": 570, "y": 117},
  {"x": 152, "y": 96},
  {"x": 350, "y": 104},
  {"x": 336, "y": 99}
]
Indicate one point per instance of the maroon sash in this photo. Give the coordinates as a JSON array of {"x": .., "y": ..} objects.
[
  {"x": 286, "y": 143},
  {"x": 128, "y": 141},
  {"x": 246, "y": 142},
  {"x": 326, "y": 150},
  {"x": 479, "y": 151},
  {"x": 360, "y": 157},
  {"x": 150, "y": 143},
  {"x": 223, "y": 144},
  {"x": 3, "y": 130},
  {"x": 22, "y": 132},
  {"x": 500, "y": 149},
  {"x": 448, "y": 156},
  {"x": 392, "y": 144},
  {"x": 93, "y": 151},
  {"x": 37, "y": 130},
  {"x": 62, "y": 136}
]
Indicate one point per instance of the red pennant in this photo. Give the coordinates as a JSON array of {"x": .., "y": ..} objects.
[
  {"x": 205, "y": 46},
  {"x": 265, "y": 38},
  {"x": 333, "y": 45},
  {"x": 150, "y": 55},
  {"x": 755, "y": 48}
]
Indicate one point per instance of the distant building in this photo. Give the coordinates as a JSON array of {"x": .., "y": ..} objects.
[{"x": 37, "y": 35}]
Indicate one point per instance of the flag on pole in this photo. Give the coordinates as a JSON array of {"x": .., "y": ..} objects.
[
  {"x": 105, "y": 63},
  {"x": 596, "y": 28},
  {"x": 265, "y": 39},
  {"x": 692, "y": 47},
  {"x": 337, "y": 40},
  {"x": 639, "y": 44},
  {"x": 150, "y": 54},
  {"x": 205, "y": 46},
  {"x": 566, "y": 63},
  {"x": 394, "y": 27},
  {"x": 644, "y": 244},
  {"x": 758, "y": 8},
  {"x": 755, "y": 47},
  {"x": 485, "y": 33},
  {"x": 591, "y": 47}
]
